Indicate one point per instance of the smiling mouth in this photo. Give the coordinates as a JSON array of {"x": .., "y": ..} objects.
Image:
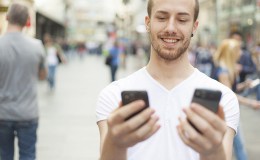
[{"x": 170, "y": 41}]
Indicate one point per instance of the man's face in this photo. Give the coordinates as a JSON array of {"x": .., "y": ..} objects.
[{"x": 170, "y": 27}]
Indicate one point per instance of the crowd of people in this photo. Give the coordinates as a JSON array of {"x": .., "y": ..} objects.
[{"x": 237, "y": 67}]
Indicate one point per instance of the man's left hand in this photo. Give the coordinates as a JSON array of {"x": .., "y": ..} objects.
[{"x": 207, "y": 138}]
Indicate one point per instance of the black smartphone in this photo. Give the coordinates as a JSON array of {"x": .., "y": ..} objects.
[
  {"x": 133, "y": 95},
  {"x": 207, "y": 98}
]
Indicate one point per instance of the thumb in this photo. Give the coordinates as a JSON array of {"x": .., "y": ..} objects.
[
  {"x": 221, "y": 113},
  {"x": 120, "y": 104}
]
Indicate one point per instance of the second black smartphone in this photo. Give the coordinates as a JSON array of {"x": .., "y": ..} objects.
[
  {"x": 133, "y": 95},
  {"x": 207, "y": 98}
]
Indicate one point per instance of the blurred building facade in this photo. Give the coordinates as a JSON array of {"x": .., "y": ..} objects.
[
  {"x": 224, "y": 17},
  {"x": 47, "y": 16},
  {"x": 92, "y": 20},
  {"x": 50, "y": 17}
]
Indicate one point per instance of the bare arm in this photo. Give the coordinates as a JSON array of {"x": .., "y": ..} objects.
[
  {"x": 248, "y": 102},
  {"x": 117, "y": 134},
  {"x": 228, "y": 143},
  {"x": 243, "y": 85},
  {"x": 107, "y": 149},
  {"x": 223, "y": 78},
  {"x": 102, "y": 125},
  {"x": 61, "y": 54},
  {"x": 42, "y": 74}
]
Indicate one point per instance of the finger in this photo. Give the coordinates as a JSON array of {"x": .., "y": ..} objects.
[
  {"x": 203, "y": 126},
  {"x": 221, "y": 113},
  {"x": 215, "y": 121},
  {"x": 120, "y": 104},
  {"x": 135, "y": 122},
  {"x": 145, "y": 131},
  {"x": 123, "y": 112},
  {"x": 183, "y": 134},
  {"x": 192, "y": 137},
  {"x": 185, "y": 138}
]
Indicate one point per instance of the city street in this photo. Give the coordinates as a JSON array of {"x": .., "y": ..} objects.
[{"x": 67, "y": 128}]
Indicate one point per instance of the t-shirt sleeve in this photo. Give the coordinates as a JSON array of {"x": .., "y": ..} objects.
[
  {"x": 108, "y": 100},
  {"x": 230, "y": 105}
]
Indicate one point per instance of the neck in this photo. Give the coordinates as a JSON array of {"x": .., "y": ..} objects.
[
  {"x": 14, "y": 28},
  {"x": 169, "y": 73}
]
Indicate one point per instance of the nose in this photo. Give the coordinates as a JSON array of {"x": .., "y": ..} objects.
[{"x": 171, "y": 26}]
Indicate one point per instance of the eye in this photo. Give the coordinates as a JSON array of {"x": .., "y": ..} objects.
[
  {"x": 183, "y": 20},
  {"x": 161, "y": 18}
]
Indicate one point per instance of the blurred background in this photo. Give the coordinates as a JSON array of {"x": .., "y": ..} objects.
[
  {"x": 94, "y": 20},
  {"x": 85, "y": 30}
]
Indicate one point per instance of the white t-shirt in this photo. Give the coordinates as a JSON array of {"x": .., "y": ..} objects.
[
  {"x": 166, "y": 143},
  {"x": 52, "y": 55}
]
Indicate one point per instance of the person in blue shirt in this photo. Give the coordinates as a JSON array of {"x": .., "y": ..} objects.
[{"x": 115, "y": 52}]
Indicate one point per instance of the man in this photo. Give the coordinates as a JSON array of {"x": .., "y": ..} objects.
[
  {"x": 162, "y": 131},
  {"x": 21, "y": 64}
]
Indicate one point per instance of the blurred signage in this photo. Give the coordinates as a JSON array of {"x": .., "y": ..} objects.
[{"x": 3, "y": 9}]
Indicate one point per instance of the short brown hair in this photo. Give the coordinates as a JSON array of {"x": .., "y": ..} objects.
[
  {"x": 196, "y": 13},
  {"x": 18, "y": 14}
]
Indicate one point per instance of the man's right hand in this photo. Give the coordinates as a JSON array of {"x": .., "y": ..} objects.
[{"x": 123, "y": 134}]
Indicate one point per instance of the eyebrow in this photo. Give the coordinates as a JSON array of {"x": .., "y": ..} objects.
[
  {"x": 180, "y": 13},
  {"x": 184, "y": 14},
  {"x": 161, "y": 12}
]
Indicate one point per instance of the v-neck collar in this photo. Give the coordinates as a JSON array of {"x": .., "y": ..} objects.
[{"x": 175, "y": 87}]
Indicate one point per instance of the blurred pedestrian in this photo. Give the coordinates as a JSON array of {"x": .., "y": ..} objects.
[
  {"x": 256, "y": 58},
  {"x": 247, "y": 64},
  {"x": 54, "y": 57},
  {"x": 22, "y": 63},
  {"x": 203, "y": 59},
  {"x": 227, "y": 70},
  {"x": 170, "y": 81},
  {"x": 115, "y": 51}
]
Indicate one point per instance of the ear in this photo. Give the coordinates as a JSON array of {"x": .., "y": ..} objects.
[
  {"x": 147, "y": 23},
  {"x": 195, "y": 26},
  {"x": 28, "y": 23}
]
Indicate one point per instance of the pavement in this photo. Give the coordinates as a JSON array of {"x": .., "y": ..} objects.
[{"x": 67, "y": 126}]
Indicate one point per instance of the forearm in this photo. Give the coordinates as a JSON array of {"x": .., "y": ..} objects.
[
  {"x": 242, "y": 86},
  {"x": 42, "y": 74},
  {"x": 244, "y": 100},
  {"x": 111, "y": 152},
  {"x": 219, "y": 154}
]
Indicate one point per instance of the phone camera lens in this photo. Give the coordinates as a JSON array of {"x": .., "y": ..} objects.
[{"x": 126, "y": 97}]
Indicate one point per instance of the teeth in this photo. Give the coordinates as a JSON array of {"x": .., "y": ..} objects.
[{"x": 170, "y": 40}]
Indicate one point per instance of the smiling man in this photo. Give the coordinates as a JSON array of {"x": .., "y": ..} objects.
[{"x": 162, "y": 130}]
